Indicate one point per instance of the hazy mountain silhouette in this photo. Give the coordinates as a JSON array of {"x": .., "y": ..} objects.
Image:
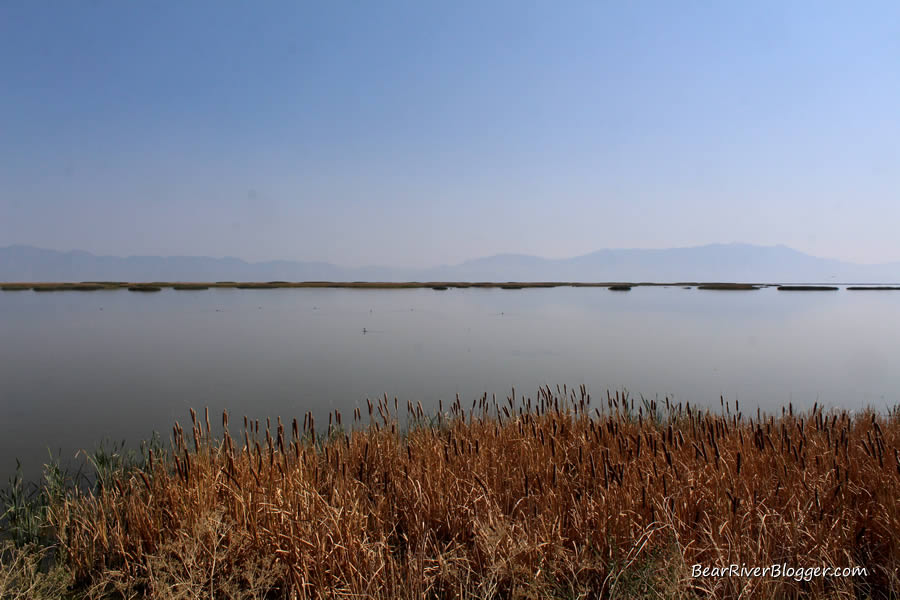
[{"x": 714, "y": 262}]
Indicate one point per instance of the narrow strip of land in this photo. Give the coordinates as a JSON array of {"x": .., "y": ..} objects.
[{"x": 153, "y": 286}]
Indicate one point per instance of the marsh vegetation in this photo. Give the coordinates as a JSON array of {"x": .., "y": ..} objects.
[
  {"x": 727, "y": 286},
  {"x": 560, "y": 497},
  {"x": 439, "y": 285}
]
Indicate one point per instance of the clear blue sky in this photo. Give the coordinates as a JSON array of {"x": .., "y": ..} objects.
[{"x": 422, "y": 133}]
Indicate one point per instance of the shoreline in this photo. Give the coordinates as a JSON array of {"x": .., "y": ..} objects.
[{"x": 90, "y": 286}]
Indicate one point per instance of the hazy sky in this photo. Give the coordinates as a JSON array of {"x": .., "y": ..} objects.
[{"x": 421, "y": 133}]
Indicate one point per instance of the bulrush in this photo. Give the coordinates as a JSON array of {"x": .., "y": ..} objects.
[{"x": 518, "y": 499}]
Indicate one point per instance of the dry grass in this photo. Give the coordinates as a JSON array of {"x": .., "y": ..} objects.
[
  {"x": 555, "y": 498},
  {"x": 25, "y": 574}
]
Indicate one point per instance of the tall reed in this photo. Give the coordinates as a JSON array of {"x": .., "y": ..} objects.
[{"x": 559, "y": 496}]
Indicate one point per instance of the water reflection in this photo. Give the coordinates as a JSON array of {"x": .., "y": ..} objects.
[{"x": 78, "y": 367}]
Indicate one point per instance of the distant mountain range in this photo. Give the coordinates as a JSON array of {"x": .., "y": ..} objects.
[{"x": 714, "y": 262}]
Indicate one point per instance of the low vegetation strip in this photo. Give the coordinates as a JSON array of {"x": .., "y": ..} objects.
[
  {"x": 59, "y": 287},
  {"x": 259, "y": 285},
  {"x": 561, "y": 497},
  {"x": 727, "y": 286}
]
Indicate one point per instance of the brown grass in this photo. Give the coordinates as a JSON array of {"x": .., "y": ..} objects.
[
  {"x": 510, "y": 499},
  {"x": 25, "y": 576}
]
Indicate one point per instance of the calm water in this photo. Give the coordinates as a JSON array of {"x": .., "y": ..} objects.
[{"x": 79, "y": 367}]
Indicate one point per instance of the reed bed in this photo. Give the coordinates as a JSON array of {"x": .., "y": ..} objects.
[
  {"x": 558, "y": 497},
  {"x": 509, "y": 285},
  {"x": 727, "y": 286},
  {"x": 435, "y": 285}
]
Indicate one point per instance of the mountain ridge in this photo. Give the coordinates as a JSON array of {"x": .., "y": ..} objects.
[{"x": 734, "y": 262}]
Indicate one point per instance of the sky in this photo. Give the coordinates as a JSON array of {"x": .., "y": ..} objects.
[{"x": 424, "y": 133}]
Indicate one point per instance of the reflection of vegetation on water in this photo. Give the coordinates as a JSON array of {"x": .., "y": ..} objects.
[{"x": 727, "y": 286}]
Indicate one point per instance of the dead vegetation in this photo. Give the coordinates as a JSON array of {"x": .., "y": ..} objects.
[{"x": 553, "y": 498}]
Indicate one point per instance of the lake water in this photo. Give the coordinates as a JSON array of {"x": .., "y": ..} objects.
[{"x": 77, "y": 367}]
